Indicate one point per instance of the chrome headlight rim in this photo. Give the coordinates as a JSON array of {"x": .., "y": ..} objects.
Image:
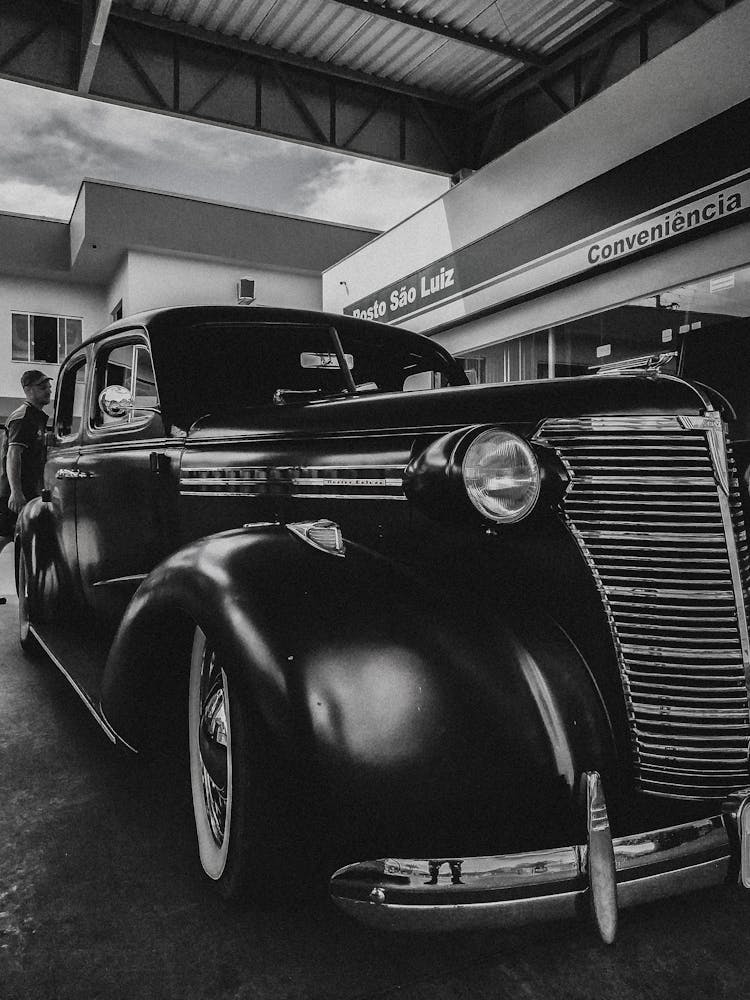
[{"x": 482, "y": 436}]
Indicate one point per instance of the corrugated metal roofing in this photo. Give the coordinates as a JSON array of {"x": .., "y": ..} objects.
[{"x": 333, "y": 33}]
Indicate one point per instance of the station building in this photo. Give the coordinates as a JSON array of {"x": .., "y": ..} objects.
[
  {"x": 605, "y": 236},
  {"x": 125, "y": 249}
]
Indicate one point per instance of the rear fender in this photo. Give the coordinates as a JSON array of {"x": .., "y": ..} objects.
[{"x": 51, "y": 590}]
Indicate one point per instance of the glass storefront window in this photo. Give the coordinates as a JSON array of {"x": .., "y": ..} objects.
[{"x": 644, "y": 326}]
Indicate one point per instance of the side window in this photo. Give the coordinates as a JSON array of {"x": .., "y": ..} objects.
[
  {"x": 129, "y": 366},
  {"x": 70, "y": 400}
]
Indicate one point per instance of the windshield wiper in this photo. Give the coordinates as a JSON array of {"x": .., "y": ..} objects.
[{"x": 350, "y": 386}]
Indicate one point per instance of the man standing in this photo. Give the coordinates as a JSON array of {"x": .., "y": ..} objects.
[{"x": 23, "y": 451}]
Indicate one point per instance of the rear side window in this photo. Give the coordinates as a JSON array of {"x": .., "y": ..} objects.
[{"x": 71, "y": 400}]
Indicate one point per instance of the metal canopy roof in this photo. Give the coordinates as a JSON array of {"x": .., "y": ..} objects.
[{"x": 444, "y": 85}]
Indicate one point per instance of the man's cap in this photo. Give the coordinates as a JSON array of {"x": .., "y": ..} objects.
[{"x": 33, "y": 377}]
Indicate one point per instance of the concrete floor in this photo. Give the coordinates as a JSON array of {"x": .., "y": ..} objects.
[{"x": 100, "y": 898}]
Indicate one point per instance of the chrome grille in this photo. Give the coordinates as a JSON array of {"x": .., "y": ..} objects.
[{"x": 668, "y": 549}]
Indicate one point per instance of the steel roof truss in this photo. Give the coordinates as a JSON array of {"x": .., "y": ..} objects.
[
  {"x": 492, "y": 134},
  {"x": 433, "y": 127},
  {"x": 213, "y": 89},
  {"x": 592, "y": 43},
  {"x": 137, "y": 68},
  {"x": 592, "y": 84},
  {"x": 298, "y": 102},
  {"x": 371, "y": 114},
  {"x": 562, "y": 106},
  {"x": 21, "y": 44}
]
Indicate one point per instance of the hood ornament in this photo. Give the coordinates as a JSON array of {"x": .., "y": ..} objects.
[{"x": 651, "y": 364}]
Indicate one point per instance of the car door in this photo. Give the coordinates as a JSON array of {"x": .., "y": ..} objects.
[{"x": 123, "y": 479}]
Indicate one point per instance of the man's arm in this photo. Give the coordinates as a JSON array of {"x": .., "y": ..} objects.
[{"x": 16, "y": 500}]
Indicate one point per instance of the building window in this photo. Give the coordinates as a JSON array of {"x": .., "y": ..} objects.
[
  {"x": 116, "y": 313},
  {"x": 649, "y": 325},
  {"x": 45, "y": 339},
  {"x": 475, "y": 368}
]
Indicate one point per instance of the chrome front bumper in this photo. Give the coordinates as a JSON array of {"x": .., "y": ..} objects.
[{"x": 598, "y": 877}]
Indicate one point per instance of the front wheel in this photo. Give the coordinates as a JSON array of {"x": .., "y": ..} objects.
[{"x": 235, "y": 805}]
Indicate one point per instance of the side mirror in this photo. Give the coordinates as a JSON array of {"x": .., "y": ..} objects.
[{"x": 115, "y": 401}]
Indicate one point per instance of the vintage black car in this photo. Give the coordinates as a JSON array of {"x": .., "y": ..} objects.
[{"x": 494, "y": 636}]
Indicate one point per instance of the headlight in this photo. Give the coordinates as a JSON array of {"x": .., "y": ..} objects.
[
  {"x": 501, "y": 476},
  {"x": 483, "y": 472}
]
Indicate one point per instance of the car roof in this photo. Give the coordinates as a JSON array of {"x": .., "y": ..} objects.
[{"x": 158, "y": 321}]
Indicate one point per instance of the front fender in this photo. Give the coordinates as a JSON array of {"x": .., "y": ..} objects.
[{"x": 399, "y": 696}]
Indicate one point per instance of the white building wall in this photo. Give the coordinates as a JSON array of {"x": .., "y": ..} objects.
[
  {"x": 119, "y": 289},
  {"x": 153, "y": 280},
  {"x": 32, "y": 295}
]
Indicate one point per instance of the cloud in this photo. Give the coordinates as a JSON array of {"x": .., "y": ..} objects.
[
  {"x": 51, "y": 141},
  {"x": 366, "y": 193},
  {"x": 37, "y": 199}
]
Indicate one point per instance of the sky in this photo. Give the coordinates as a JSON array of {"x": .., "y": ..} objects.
[{"x": 51, "y": 141}]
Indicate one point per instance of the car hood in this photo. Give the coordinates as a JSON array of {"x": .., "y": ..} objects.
[{"x": 522, "y": 404}]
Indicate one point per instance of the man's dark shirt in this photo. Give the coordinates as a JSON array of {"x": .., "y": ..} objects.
[{"x": 25, "y": 427}]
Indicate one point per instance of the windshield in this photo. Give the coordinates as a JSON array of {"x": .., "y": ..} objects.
[{"x": 217, "y": 365}]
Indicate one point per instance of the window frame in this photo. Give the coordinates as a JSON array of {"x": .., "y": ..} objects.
[
  {"x": 58, "y": 317},
  {"x": 80, "y": 359},
  {"x": 136, "y": 423}
]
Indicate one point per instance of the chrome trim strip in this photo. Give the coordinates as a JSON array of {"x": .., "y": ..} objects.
[
  {"x": 719, "y": 452},
  {"x": 648, "y": 536},
  {"x": 121, "y": 579},
  {"x": 295, "y": 481},
  {"x": 120, "y": 739},
  {"x": 293, "y": 496},
  {"x": 642, "y": 480},
  {"x": 346, "y": 496},
  {"x": 342, "y": 481},
  {"x": 660, "y": 592},
  {"x": 109, "y": 732}
]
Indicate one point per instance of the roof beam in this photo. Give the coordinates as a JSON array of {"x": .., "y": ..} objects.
[
  {"x": 94, "y": 17},
  {"x": 506, "y": 49},
  {"x": 599, "y": 36}
]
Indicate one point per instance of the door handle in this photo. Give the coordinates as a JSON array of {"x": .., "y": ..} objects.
[{"x": 72, "y": 474}]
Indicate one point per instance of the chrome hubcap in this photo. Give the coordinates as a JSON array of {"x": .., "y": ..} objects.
[{"x": 214, "y": 746}]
